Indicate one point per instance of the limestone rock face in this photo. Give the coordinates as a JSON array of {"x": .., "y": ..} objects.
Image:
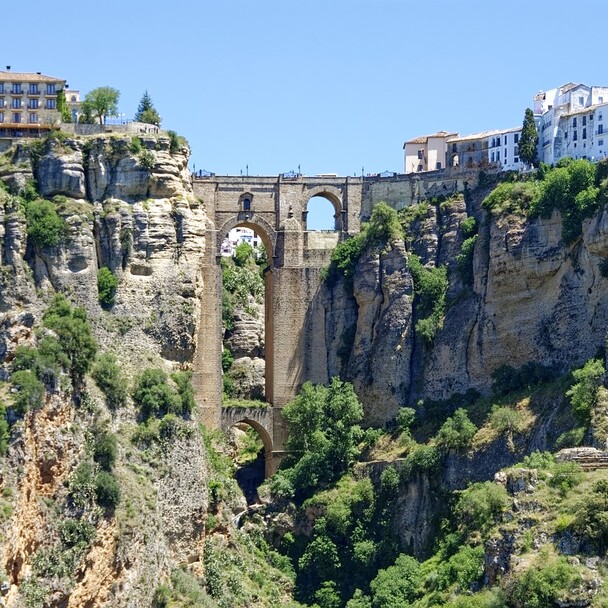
[
  {"x": 246, "y": 339},
  {"x": 61, "y": 171}
]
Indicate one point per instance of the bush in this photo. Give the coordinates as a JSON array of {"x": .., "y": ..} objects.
[
  {"x": 109, "y": 379},
  {"x": 583, "y": 393},
  {"x": 44, "y": 226},
  {"x": 480, "y": 506},
  {"x": 591, "y": 516},
  {"x": 506, "y": 379},
  {"x": 227, "y": 359},
  {"x": 506, "y": 419},
  {"x": 457, "y": 432},
  {"x": 107, "y": 490},
  {"x": 5, "y": 433},
  {"x": 397, "y": 585},
  {"x": 430, "y": 289},
  {"x": 185, "y": 391},
  {"x": 405, "y": 418},
  {"x": 105, "y": 450},
  {"x": 566, "y": 475},
  {"x": 154, "y": 396},
  {"x": 74, "y": 336},
  {"x": 543, "y": 584},
  {"x": 106, "y": 286},
  {"x": 464, "y": 260},
  {"x": 30, "y": 392},
  {"x": 146, "y": 160},
  {"x": 81, "y": 485},
  {"x": 468, "y": 227}
]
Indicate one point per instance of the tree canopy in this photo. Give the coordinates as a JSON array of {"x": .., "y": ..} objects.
[
  {"x": 529, "y": 139},
  {"x": 101, "y": 102},
  {"x": 146, "y": 112}
]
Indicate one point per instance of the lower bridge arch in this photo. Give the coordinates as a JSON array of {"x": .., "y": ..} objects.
[{"x": 260, "y": 419}]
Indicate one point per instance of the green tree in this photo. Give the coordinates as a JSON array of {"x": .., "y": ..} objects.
[
  {"x": 62, "y": 107},
  {"x": 528, "y": 140},
  {"x": 74, "y": 335},
  {"x": 106, "y": 286},
  {"x": 44, "y": 225},
  {"x": 583, "y": 393},
  {"x": 5, "y": 432},
  {"x": 397, "y": 585},
  {"x": 146, "y": 112},
  {"x": 457, "y": 432},
  {"x": 154, "y": 396},
  {"x": 101, "y": 102},
  {"x": 323, "y": 438}
]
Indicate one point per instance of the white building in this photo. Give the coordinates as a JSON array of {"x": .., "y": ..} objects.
[
  {"x": 426, "y": 153},
  {"x": 569, "y": 120},
  {"x": 239, "y": 235}
]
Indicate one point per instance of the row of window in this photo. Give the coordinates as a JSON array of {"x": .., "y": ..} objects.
[
  {"x": 16, "y": 117},
  {"x": 32, "y": 89},
  {"x": 32, "y": 104}
]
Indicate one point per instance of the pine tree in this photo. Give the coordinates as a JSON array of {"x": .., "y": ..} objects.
[
  {"x": 528, "y": 141},
  {"x": 146, "y": 112}
]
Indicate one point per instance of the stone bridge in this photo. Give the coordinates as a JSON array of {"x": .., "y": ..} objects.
[{"x": 276, "y": 208}]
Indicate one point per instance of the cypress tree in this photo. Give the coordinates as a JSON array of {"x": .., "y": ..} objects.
[{"x": 528, "y": 141}]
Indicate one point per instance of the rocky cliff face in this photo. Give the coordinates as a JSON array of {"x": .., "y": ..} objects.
[
  {"x": 533, "y": 299},
  {"x": 128, "y": 206}
]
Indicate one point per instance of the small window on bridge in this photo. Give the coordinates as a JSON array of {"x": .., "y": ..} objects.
[
  {"x": 246, "y": 204},
  {"x": 321, "y": 214}
]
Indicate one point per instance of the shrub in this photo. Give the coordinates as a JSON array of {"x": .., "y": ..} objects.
[
  {"x": 591, "y": 516},
  {"x": 185, "y": 391},
  {"x": 566, "y": 475},
  {"x": 76, "y": 533},
  {"x": 30, "y": 392},
  {"x": 135, "y": 146},
  {"x": 397, "y": 585},
  {"x": 464, "y": 260},
  {"x": 74, "y": 336},
  {"x": 462, "y": 569},
  {"x": 107, "y": 490},
  {"x": 106, "y": 286},
  {"x": 81, "y": 485},
  {"x": 146, "y": 160},
  {"x": 506, "y": 379},
  {"x": 456, "y": 432},
  {"x": 154, "y": 396},
  {"x": 105, "y": 450},
  {"x": 506, "y": 419},
  {"x": 430, "y": 289},
  {"x": 583, "y": 393},
  {"x": 480, "y": 506},
  {"x": 468, "y": 227},
  {"x": 109, "y": 379},
  {"x": 44, "y": 226},
  {"x": 405, "y": 418},
  {"x": 5, "y": 433},
  {"x": 543, "y": 583},
  {"x": 227, "y": 359}
]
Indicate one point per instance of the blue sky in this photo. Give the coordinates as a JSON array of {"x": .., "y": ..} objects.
[{"x": 331, "y": 86}]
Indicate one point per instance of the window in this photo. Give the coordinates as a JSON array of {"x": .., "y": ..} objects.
[
  {"x": 584, "y": 120},
  {"x": 1, "y": 88},
  {"x": 246, "y": 204},
  {"x": 438, "y": 166},
  {"x": 600, "y": 129},
  {"x": 575, "y": 136},
  {"x": 574, "y": 122},
  {"x": 492, "y": 158},
  {"x": 419, "y": 167},
  {"x": 600, "y": 99},
  {"x": 16, "y": 102},
  {"x": 33, "y": 118},
  {"x": 33, "y": 90},
  {"x": 1, "y": 102},
  {"x": 420, "y": 154},
  {"x": 516, "y": 138},
  {"x": 50, "y": 104},
  {"x": 516, "y": 159},
  {"x": 497, "y": 155},
  {"x": 516, "y": 151},
  {"x": 16, "y": 117},
  {"x": 32, "y": 104},
  {"x": 600, "y": 142},
  {"x": 50, "y": 89},
  {"x": 585, "y": 133},
  {"x": 16, "y": 89},
  {"x": 1, "y": 116},
  {"x": 505, "y": 140},
  {"x": 581, "y": 101}
]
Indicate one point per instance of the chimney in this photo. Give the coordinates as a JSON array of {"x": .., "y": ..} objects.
[{"x": 8, "y": 68}]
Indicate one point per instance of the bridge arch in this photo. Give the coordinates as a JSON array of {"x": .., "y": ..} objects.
[
  {"x": 330, "y": 193},
  {"x": 258, "y": 224}
]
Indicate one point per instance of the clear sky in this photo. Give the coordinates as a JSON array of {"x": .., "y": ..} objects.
[{"x": 329, "y": 86}]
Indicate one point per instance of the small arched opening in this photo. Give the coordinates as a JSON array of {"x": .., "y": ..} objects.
[
  {"x": 251, "y": 448},
  {"x": 323, "y": 212}
]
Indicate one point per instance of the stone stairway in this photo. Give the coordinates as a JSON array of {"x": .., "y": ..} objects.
[{"x": 588, "y": 458}]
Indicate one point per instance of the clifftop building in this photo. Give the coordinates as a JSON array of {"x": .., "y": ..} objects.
[{"x": 28, "y": 103}]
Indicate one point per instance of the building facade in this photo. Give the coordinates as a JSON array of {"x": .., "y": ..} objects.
[
  {"x": 426, "y": 153},
  {"x": 28, "y": 103}
]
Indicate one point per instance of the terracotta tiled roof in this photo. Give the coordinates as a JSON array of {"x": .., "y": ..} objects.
[
  {"x": 424, "y": 138},
  {"x": 27, "y": 77}
]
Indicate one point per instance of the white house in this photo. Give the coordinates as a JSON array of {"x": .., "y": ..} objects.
[
  {"x": 239, "y": 235},
  {"x": 569, "y": 120}
]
